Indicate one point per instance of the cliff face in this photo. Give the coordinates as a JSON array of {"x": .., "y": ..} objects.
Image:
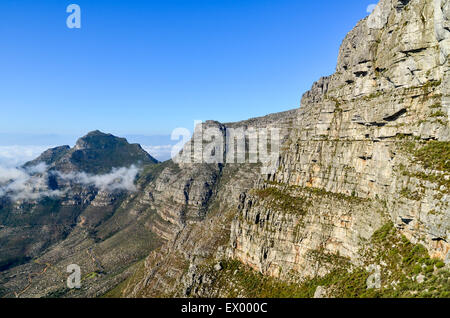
[
  {"x": 368, "y": 147},
  {"x": 196, "y": 204},
  {"x": 65, "y": 203},
  {"x": 370, "y": 143}
]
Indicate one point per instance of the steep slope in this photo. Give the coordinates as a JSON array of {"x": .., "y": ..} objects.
[
  {"x": 366, "y": 165},
  {"x": 196, "y": 203}
]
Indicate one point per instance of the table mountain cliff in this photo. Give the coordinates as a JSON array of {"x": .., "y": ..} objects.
[
  {"x": 360, "y": 193},
  {"x": 362, "y": 187}
]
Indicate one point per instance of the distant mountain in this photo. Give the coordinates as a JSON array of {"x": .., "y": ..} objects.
[
  {"x": 27, "y": 139},
  {"x": 94, "y": 153},
  {"x": 53, "y": 209}
]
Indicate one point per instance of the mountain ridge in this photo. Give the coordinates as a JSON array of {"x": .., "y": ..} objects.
[{"x": 94, "y": 153}]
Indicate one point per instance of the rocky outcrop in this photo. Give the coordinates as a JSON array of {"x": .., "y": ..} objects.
[
  {"x": 196, "y": 203},
  {"x": 356, "y": 153},
  {"x": 95, "y": 153}
]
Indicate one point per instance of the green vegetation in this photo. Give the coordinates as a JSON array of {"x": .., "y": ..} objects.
[
  {"x": 429, "y": 85},
  {"x": 251, "y": 284},
  {"x": 440, "y": 122},
  {"x": 401, "y": 263},
  {"x": 91, "y": 275},
  {"x": 282, "y": 200},
  {"x": 372, "y": 96},
  {"x": 439, "y": 113},
  {"x": 435, "y": 155},
  {"x": 49, "y": 156},
  {"x": 443, "y": 185},
  {"x": 138, "y": 273},
  {"x": 338, "y": 104},
  {"x": 151, "y": 172},
  {"x": 436, "y": 106},
  {"x": 407, "y": 193},
  {"x": 339, "y": 196},
  {"x": 101, "y": 161},
  {"x": 321, "y": 193},
  {"x": 59, "y": 293},
  {"x": 97, "y": 153}
]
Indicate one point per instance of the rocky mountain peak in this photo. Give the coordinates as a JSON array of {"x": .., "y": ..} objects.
[
  {"x": 95, "y": 153},
  {"x": 98, "y": 139}
]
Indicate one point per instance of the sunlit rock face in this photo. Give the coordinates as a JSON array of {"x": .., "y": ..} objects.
[
  {"x": 368, "y": 146},
  {"x": 367, "y": 133}
]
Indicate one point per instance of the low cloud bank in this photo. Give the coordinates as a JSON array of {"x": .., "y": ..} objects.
[
  {"x": 15, "y": 156},
  {"x": 26, "y": 184},
  {"x": 117, "y": 179},
  {"x": 32, "y": 183}
]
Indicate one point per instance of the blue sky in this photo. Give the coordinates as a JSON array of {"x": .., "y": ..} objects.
[{"x": 147, "y": 67}]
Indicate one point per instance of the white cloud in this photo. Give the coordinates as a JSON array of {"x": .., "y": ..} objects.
[
  {"x": 14, "y": 156},
  {"x": 25, "y": 184},
  {"x": 118, "y": 179},
  {"x": 8, "y": 174},
  {"x": 32, "y": 183},
  {"x": 19, "y": 183}
]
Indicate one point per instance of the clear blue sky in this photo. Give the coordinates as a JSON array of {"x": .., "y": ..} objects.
[{"x": 147, "y": 67}]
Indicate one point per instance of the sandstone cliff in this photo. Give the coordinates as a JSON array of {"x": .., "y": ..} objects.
[
  {"x": 369, "y": 147},
  {"x": 370, "y": 143}
]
